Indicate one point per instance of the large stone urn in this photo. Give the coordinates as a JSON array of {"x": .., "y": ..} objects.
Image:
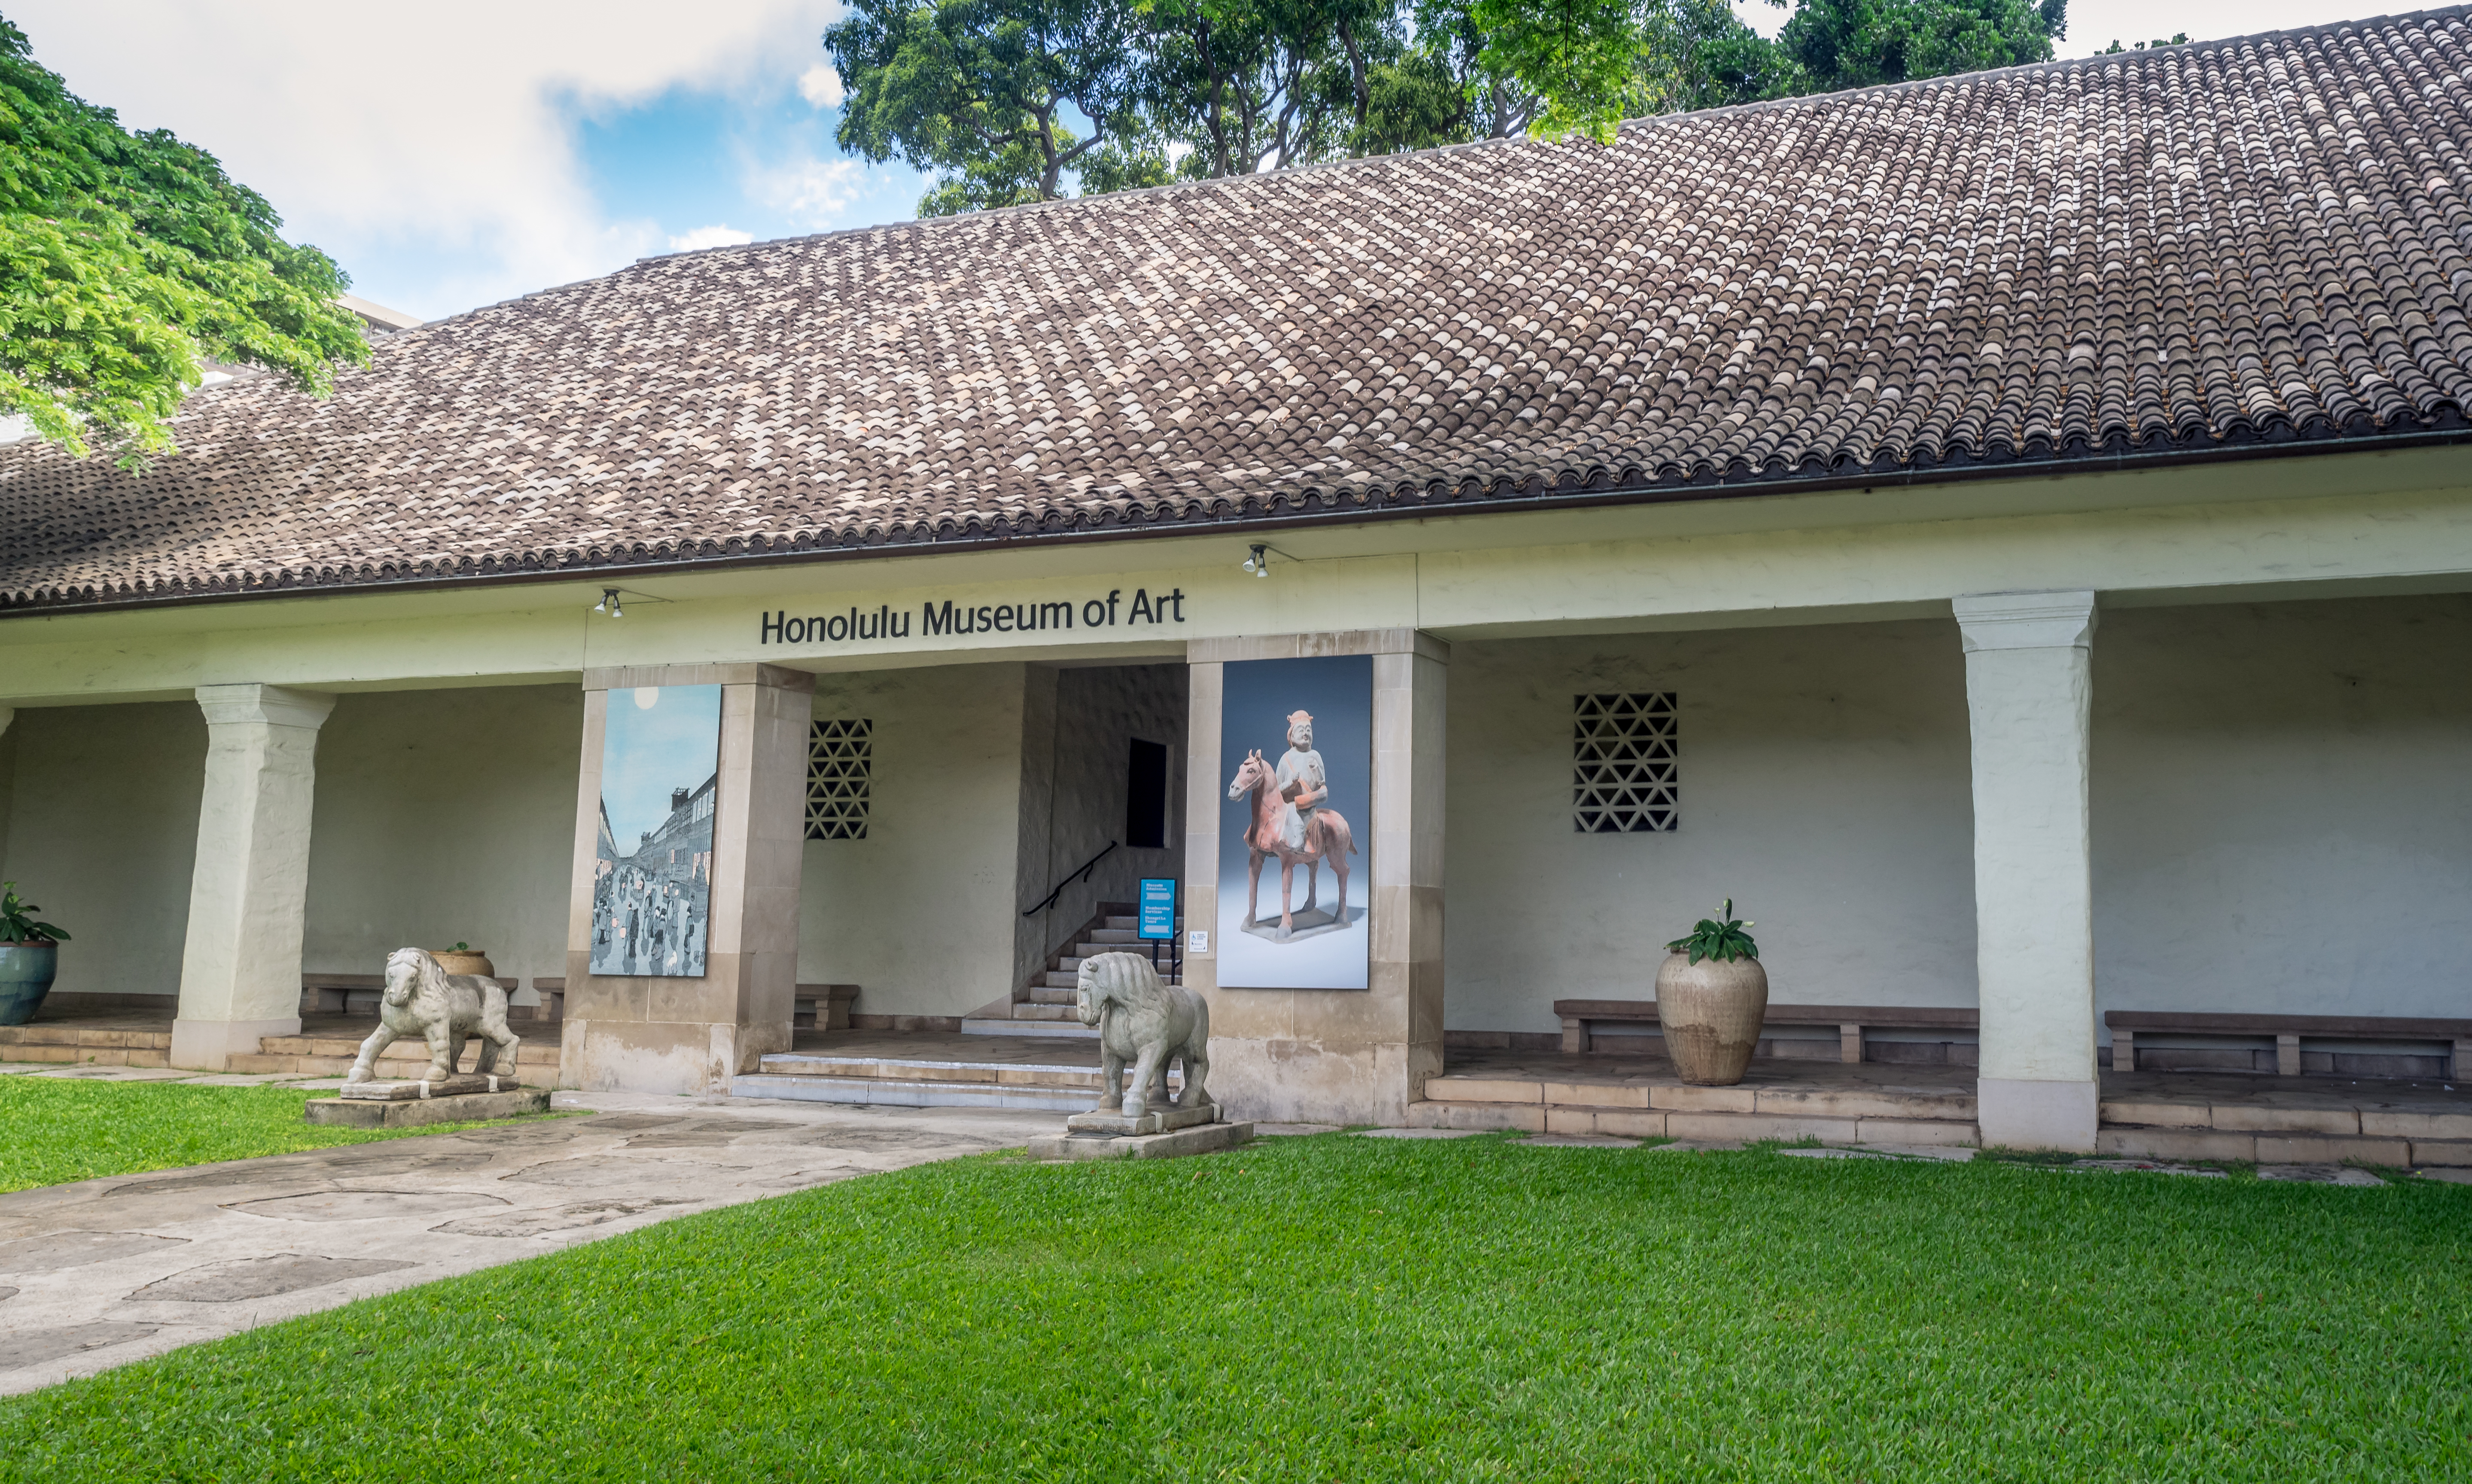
[
  {"x": 1711, "y": 1012},
  {"x": 26, "y": 974},
  {"x": 465, "y": 962}
]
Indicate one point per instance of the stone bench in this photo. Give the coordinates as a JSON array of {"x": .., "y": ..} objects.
[
  {"x": 1852, "y": 1020},
  {"x": 352, "y": 994},
  {"x": 2449, "y": 1042},
  {"x": 820, "y": 1006},
  {"x": 813, "y": 1007}
]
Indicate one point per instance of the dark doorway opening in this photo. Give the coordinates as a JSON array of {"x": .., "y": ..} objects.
[{"x": 1146, "y": 796}]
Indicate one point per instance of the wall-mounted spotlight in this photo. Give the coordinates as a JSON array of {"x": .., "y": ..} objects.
[
  {"x": 1259, "y": 563},
  {"x": 609, "y": 604}
]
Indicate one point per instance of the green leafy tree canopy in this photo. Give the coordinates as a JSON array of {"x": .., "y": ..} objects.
[
  {"x": 127, "y": 260},
  {"x": 1013, "y": 100}
]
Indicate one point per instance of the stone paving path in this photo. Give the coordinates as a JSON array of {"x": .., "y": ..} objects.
[{"x": 103, "y": 1272}]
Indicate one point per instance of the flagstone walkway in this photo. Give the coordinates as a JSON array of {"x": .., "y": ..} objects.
[{"x": 103, "y": 1272}]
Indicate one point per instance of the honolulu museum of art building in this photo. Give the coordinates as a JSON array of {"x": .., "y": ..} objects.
[{"x": 2010, "y": 533}]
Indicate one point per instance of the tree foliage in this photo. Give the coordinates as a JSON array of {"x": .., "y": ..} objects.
[
  {"x": 127, "y": 260},
  {"x": 1014, "y": 101}
]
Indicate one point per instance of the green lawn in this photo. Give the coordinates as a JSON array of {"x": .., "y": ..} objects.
[
  {"x": 58, "y": 1129},
  {"x": 1354, "y": 1309}
]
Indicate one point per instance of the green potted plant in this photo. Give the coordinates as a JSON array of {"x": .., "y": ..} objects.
[
  {"x": 29, "y": 956},
  {"x": 1712, "y": 996}
]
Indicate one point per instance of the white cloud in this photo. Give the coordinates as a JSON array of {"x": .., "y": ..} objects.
[
  {"x": 811, "y": 192},
  {"x": 715, "y": 236},
  {"x": 821, "y": 86},
  {"x": 445, "y": 134}
]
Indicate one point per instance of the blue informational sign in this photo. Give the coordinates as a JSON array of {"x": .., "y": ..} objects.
[{"x": 1159, "y": 910}]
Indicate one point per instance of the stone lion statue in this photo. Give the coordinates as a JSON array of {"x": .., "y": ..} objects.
[
  {"x": 1146, "y": 1023},
  {"x": 445, "y": 1009}
]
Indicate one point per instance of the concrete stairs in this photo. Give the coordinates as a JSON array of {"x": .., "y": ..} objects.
[
  {"x": 2142, "y": 1116},
  {"x": 1044, "y": 1006},
  {"x": 1654, "y": 1107},
  {"x": 329, "y": 1053},
  {"x": 928, "y": 1080}
]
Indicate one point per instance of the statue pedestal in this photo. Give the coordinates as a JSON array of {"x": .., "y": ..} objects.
[
  {"x": 458, "y": 1085},
  {"x": 411, "y": 1111},
  {"x": 1159, "y": 1120},
  {"x": 1203, "y": 1138}
]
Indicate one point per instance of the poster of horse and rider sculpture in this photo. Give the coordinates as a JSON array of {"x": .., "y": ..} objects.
[
  {"x": 1296, "y": 737},
  {"x": 651, "y": 896}
]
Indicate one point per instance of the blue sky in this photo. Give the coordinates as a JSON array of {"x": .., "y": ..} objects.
[
  {"x": 470, "y": 151},
  {"x": 660, "y": 738}
]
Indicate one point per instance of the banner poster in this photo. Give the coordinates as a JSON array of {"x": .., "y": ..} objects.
[
  {"x": 652, "y": 891},
  {"x": 1296, "y": 828}
]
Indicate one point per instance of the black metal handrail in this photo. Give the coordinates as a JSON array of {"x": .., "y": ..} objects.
[{"x": 1070, "y": 877}]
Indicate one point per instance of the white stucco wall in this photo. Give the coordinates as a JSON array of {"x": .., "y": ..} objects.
[
  {"x": 2283, "y": 808},
  {"x": 919, "y": 915},
  {"x": 445, "y": 817},
  {"x": 1823, "y": 787},
  {"x": 102, "y": 828}
]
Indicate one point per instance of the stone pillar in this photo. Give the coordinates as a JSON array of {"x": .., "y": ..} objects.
[
  {"x": 1334, "y": 1057},
  {"x": 654, "y": 1034},
  {"x": 2029, "y": 693},
  {"x": 240, "y": 969}
]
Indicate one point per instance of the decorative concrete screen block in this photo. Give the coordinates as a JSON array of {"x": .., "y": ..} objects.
[
  {"x": 1626, "y": 768},
  {"x": 841, "y": 768}
]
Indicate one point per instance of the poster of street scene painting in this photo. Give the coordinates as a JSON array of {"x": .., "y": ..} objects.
[
  {"x": 651, "y": 900},
  {"x": 1296, "y": 829}
]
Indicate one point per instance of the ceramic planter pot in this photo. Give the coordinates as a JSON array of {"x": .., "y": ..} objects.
[
  {"x": 1711, "y": 1013},
  {"x": 471, "y": 961},
  {"x": 26, "y": 973}
]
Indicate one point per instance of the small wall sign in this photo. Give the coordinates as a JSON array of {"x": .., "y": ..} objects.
[{"x": 1159, "y": 910}]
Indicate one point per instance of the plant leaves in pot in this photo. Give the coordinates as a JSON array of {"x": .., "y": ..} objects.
[
  {"x": 1712, "y": 996},
  {"x": 29, "y": 956}
]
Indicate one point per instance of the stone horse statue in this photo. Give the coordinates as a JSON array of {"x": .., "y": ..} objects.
[
  {"x": 1326, "y": 838},
  {"x": 1146, "y": 1023},
  {"x": 445, "y": 1009}
]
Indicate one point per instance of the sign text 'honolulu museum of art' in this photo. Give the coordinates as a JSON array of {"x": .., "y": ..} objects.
[{"x": 949, "y": 619}]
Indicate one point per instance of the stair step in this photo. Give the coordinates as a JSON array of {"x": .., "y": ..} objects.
[
  {"x": 890, "y": 1092},
  {"x": 1049, "y": 1011},
  {"x": 973, "y": 1026},
  {"x": 1053, "y": 993},
  {"x": 1069, "y": 977},
  {"x": 1134, "y": 923},
  {"x": 917, "y": 1069}
]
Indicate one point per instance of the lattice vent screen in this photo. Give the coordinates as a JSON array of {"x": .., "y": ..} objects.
[
  {"x": 840, "y": 764},
  {"x": 1625, "y": 776}
]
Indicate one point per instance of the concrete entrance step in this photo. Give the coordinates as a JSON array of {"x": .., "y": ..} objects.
[
  {"x": 103, "y": 1041},
  {"x": 1068, "y": 1027},
  {"x": 1066, "y": 1086},
  {"x": 1642, "y": 1107},
  {"x": 909, "y": 1095},
  {"x": 327, "y": 1054}
]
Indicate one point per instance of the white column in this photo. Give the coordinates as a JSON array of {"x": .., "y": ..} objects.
[
  {"x": 240, "y": 971},
  {"x": 2029, "y": 691}
]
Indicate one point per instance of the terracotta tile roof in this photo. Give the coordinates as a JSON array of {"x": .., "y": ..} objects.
[{"x": 2248, "y": 241}]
